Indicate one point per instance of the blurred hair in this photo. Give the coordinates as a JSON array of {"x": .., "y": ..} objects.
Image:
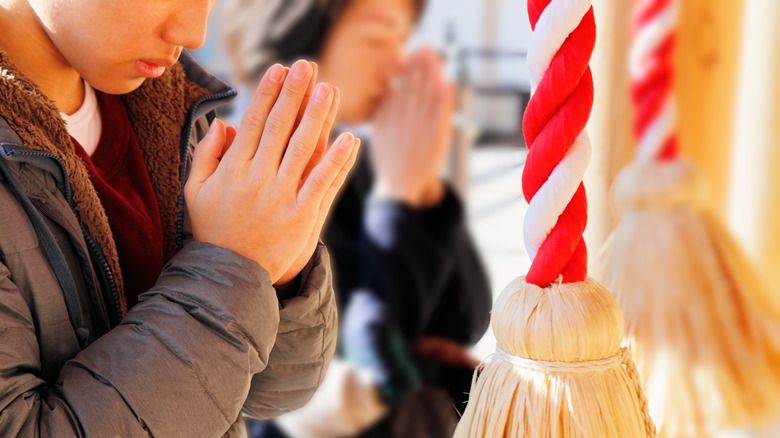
[{"x": 259, "y": 33}]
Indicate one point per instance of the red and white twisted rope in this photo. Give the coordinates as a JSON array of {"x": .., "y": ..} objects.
[
  {"x": 652, "y": 76},
  {"x": 564, "y": 34}
]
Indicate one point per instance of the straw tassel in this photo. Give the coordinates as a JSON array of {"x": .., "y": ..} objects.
[{"x": 558, "y": 370}]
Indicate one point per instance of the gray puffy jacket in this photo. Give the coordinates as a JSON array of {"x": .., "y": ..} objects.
[{"x": 209, "y": 342}]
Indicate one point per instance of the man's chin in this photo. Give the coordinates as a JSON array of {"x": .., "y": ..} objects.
[{"x": 118, "y": 86}]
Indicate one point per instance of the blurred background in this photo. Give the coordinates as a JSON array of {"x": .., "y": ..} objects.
[{"x": 727, "y": 65}]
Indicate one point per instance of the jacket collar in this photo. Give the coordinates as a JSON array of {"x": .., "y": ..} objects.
[{"x": 161, "y": 111}]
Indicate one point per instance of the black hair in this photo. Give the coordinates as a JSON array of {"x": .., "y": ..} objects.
[{"x": 287, "y": 30}]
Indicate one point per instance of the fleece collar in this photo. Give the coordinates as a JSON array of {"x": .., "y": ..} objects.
[{"x": 158, "y": 111}]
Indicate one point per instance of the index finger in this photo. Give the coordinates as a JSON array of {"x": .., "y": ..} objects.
[
  {"x": 253, "y": 122},
  {"x": 281, "y": 119},
  {"x": 307, "y": 95}
]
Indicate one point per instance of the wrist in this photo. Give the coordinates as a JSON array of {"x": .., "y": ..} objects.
[
  {"x": 301, "y": 267},
  {"x": 397, "y": 192},
  {"x": 433, "y": 194},
  {"x": 287, "y": 278}
]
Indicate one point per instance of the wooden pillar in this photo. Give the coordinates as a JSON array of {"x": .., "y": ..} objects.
[
  {"x": 754, "y": 211},
  {"x": 706, "y": 66}
]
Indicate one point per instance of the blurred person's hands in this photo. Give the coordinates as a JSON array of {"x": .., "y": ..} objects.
[
  {"x": 264, "y": 191},
  {"x": 444, "y": 351},
  {"x": 412, "y": 133}
]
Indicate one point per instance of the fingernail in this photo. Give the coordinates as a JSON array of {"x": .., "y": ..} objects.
[
  {"x": 276, "y": 73},
  {"x": 300, "y": 69},
  {"x": 321, "y": 92},
  {"x": 212, "y": 127},
  {"x": 346, "y": 140}
]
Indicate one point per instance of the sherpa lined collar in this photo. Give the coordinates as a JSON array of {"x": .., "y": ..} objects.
[{"x": 158, "y": 111}]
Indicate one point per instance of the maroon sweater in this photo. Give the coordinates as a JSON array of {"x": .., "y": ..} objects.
[{"x": 118, "y": 172}]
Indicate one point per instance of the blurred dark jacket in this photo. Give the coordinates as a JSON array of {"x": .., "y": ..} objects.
[{"x": 423, "y": 263}]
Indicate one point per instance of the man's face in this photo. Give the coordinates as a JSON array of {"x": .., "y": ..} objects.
[
  {"x": 364, "y": 51},
  {"x": 115, "y": 45}
]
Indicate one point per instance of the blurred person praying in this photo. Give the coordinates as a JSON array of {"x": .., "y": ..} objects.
[{"x": 411, "y": 287}]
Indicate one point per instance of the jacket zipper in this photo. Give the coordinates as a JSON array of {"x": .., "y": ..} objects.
[
  {"x": 183, "y": 153},
  {"x": 105, "y": 275}
]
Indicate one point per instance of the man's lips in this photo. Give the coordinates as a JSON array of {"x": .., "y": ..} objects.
[
  {"x": 153, "y": 68},
  {"x": 162, "y": 62}
]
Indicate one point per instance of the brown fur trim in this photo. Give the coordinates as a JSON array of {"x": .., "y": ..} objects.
[
  {"x": 158, "y": 110},
  {"x": 36, "y": 119}
]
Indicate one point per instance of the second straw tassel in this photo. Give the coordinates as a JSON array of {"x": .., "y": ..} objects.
[{"x": 698, "y": 319}]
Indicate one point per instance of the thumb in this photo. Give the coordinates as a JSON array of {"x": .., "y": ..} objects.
[
  {"x": 207, "y": 153},
  {"x": 230, "y": 135}
]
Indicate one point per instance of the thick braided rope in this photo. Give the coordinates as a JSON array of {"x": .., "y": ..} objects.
[
  {"x": 637, "y": 379},
  {"x": 564, "y": 34},
  {"x": 652, "y": 76}
]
